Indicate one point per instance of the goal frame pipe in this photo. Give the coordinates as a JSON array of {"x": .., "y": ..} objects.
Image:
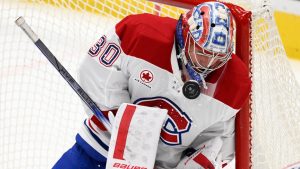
[
  {"x": 64, "y": 73},
  {"x": 243, "y": 50}
]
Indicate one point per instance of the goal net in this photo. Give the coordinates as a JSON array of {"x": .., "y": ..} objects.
[{"x": 40, "y": 114}]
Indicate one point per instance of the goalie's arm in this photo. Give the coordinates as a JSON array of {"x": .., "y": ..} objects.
[
  {"x": 102, "y": 73},
  {"x": 102, "y": 76}
]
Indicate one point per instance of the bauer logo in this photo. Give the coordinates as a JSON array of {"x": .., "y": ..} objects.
[{"x": 127, "y": 166}]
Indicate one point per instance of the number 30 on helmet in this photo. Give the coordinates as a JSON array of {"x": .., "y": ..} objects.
[{"x": 206, "y": 36}]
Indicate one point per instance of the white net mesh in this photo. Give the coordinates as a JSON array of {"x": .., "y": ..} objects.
[
  {"x": 40, "y": 114},
  {"x": 275, "y": 98}
]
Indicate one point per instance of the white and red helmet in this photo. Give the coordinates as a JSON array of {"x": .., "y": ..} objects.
[{"x": 207, "y": 33}]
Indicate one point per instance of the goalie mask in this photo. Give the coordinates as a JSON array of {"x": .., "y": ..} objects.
[{"x": 205, "y": 36}]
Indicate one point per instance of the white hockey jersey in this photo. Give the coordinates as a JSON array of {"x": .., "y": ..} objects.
[{"x": 136, "y": 63}]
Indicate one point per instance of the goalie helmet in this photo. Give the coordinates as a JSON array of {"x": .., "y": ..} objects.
[{"x": 205, "y": 35}]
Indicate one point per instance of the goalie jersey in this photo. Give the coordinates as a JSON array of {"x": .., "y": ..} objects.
[{"x": 136, "y": 63}]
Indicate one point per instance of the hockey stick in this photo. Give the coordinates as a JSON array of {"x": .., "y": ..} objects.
[{"x": 65, "y": 74}]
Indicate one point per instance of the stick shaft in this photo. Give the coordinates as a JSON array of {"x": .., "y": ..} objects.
[{"x": 65, "y": 74}]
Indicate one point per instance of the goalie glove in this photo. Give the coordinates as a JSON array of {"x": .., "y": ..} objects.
[{"x": 206, "y": 156}]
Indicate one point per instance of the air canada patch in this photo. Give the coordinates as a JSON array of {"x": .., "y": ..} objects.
[{"x": 146, "y": 76}]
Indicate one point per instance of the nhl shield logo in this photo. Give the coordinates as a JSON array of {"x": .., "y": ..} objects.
[{"x": 146, "y": 76}]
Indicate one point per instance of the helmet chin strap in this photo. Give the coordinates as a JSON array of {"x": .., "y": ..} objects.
[
  {"x": 191, "y": 88},
  {"x": 196, "y": 76}
]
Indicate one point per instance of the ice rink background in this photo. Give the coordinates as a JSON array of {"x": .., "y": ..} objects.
[{"x": 32, "y": 90}]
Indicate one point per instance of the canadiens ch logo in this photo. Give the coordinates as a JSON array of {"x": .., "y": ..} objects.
[
  {"x": 146, "y": 76},
  {"x": 177, "y": 123}
]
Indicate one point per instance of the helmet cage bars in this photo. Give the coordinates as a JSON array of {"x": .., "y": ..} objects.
[
  {"x": 207, "y": 33},
  {"x": 201, "y": 60}
]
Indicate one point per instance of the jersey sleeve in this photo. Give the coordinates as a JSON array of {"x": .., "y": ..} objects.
[{"x": 102, "y": 73}]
